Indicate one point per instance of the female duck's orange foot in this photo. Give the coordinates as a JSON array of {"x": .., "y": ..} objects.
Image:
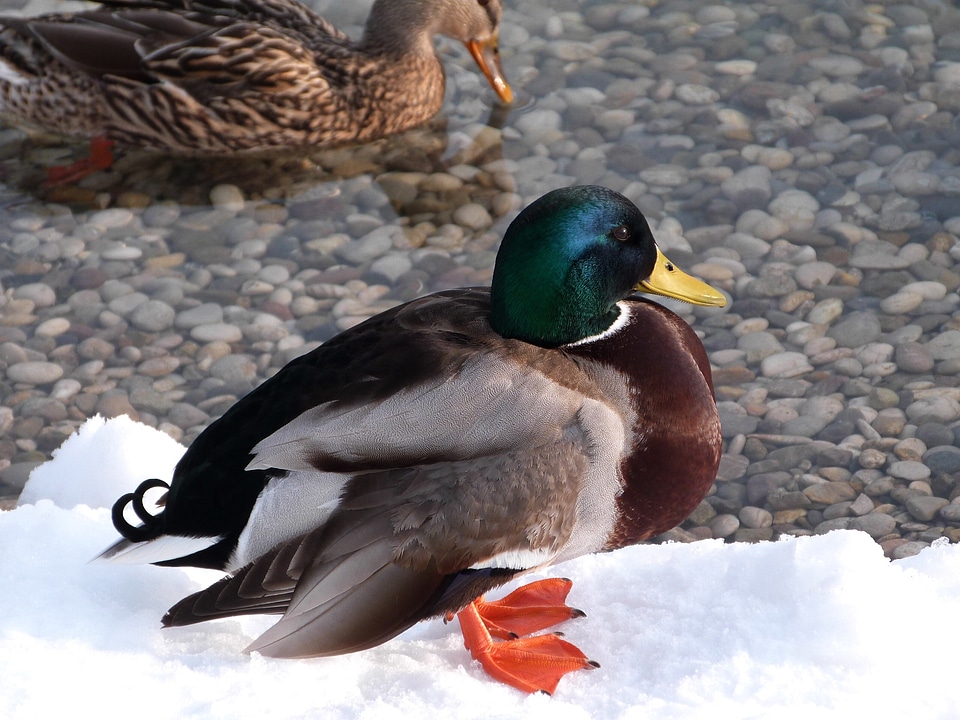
[
  {"x": 527, "y": 609},
  {"x": 533, "y": 664},
  {"x": 101, "y": 157}
]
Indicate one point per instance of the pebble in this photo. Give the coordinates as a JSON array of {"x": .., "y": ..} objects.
[
  {"x": 785, "y": 365},
  {"x": 925, "y": 508},
  {"x": 216, "y": 332},
  {"x": 875, "y": 524},
  {"x": 152, "y": 316},
  {"x": 35, "y": 372}
]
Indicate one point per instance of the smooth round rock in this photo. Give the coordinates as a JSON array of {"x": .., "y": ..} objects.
[
  {"x": 785, "y": 365},
  {"x": 925, "y": 508},
  {"x": 217, "y": 332},
  {"x": 35, "y": 372},
  {"x": 152, "y": 316},
  {"x": 874, "y": 524}
]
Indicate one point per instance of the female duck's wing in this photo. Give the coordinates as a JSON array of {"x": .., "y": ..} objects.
[{"x": 187, "y": 44}]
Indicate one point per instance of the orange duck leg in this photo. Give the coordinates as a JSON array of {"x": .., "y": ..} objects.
[
  {"x": 101, "y": 157},
  {"x": 531, "y": 664}
]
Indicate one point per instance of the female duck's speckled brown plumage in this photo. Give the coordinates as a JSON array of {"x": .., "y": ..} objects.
[
  {"x": 437, "y": 450},
  {"x": 227, "y": 76}
]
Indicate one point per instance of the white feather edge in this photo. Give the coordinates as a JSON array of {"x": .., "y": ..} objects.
[
  {"x": 165, "y": 547},
  {"x": 521, "y": 560}
]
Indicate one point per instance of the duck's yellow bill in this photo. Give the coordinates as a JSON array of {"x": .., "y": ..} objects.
[
  {"x": 486, "y": 53},
  {"x": 670, "y": 281}
]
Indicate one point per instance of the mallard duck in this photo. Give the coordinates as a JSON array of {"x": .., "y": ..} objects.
[
  {"x": 226, "y": 76},
  {"x": 441, "y": 448}
]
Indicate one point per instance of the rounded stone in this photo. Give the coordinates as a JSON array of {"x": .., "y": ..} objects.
[
  {"x": 473, "y": 216},
  {"x": 901, "y": 303},
  {"x": 785, "y": 365},
  {"x": 216, "y": 332},
  {"x": 924, "y": 507},
  {"x": 945, "y": 345},
  {"x": 53, "y": 327},
  {"x": 874, "y": 524},
  {"x": 35, "y": 372},
  {"x": 830, "y": 493},
  {"x": 825, "y": 311},
  {"x": 95, "y": 348},
  {"x": 152, "y": 316},
  {"x": 234, "y": 369},
  {"x": 856, "y": 330},
  {"x": 227, "y": 197},
  {"x": 40, "y": 294},
  {"x": 914, "y": 357},
  {"x": 815, "y": 274},
  {"x": 754, "y": 517},
  {"x": 934, "y": 434},
  {"x": 205, "y": 314},
  {"x": 724, "y": 525},
  {"x": 908, "y": 549},
  {"x": 909, "y": 470},
  {"x": 943, "y": 459}
]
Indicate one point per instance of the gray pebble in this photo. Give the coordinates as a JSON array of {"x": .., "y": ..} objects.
[
  {"x": 943, "y": 458},
  {"x": 856, "y": 330},
  {"x": 216, "y": 332},
  {"x": 152, "y": 316},
  {"x": 875, "y": 524},
  {"x": 908, "y": 549},
  {"x": 234, "y": 369},
  {"x": 754, "y": 517},
  {"x": 951, "y": 512},
  {"x": 925, "y": 508},
  {"x": 724, "y": 525},
  {"x": 34, "y": 372},
  {"x": 205, "y": 314}
]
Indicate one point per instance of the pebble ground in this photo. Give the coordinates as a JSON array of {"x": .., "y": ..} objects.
[{"x": 802, "y": 156}]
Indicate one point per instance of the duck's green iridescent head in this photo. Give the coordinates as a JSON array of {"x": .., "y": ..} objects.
[{"x": 567, "y": 260}]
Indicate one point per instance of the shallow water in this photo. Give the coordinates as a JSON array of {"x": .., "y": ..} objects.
[{"x": 802, "y": 156}]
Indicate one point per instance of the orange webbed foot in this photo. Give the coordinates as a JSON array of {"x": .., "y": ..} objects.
[
  {"x": 529, "y": 608},
  {"x": 101, "y": 157},
  {"x": 533, "y": 664}
]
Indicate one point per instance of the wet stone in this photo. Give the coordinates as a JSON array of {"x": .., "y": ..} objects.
[
  {"x": 908, "y": 549},
  {"x": 754, "y": 517},
  {"x": 830, "y": 493},
  {"x": 951, "y": 512},
  {"x": 875, "y": 524},
  {"x": 925, "y": 508},
  {"x": 856, "y": 330},
  {"x": 943, "y": 459},
  {"x": 724, "y": 525},
  {"x": 909, "y": 470}
]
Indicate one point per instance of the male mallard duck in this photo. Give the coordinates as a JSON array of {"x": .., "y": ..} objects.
[
  {"x": 226, "y": 76},
  {"x": 439, "y": 449}
]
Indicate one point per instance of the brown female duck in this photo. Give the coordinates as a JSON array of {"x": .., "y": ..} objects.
[{"x": 225, "y": 76}]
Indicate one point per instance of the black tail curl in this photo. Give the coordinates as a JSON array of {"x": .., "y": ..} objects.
[{"x": 151, "y": 527}]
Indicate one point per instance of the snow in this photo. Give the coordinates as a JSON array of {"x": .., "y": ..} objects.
[{"x": 821, "y": 627}]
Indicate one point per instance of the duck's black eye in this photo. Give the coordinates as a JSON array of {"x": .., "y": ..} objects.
[
  {"x": 621, "y": 233},
  {"x": 483, "y": 3}
]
